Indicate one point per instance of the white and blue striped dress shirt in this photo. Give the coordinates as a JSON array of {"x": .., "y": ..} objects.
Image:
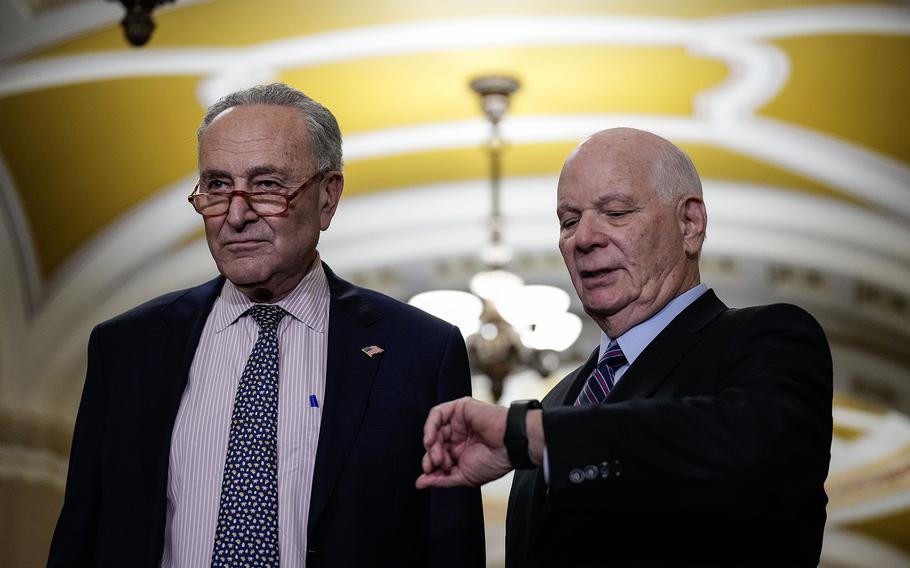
[{"x": 200, "y": 438}]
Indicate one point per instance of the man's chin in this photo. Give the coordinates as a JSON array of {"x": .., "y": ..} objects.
[
  {"x": 244, "y": 273},
  {"x": 602, "y": 304}
]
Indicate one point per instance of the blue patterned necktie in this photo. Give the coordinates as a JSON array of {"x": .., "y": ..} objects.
[
  {"x": 601, "y": 381},
  {"x": 247, "y": 533}
]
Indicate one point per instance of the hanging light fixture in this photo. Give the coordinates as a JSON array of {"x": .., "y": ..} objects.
[
  {"x": 137, "y": 23},
  {"x": 507, "y": 324}
]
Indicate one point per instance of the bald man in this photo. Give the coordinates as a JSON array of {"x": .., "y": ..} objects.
[{"x": 694, "y": 434}]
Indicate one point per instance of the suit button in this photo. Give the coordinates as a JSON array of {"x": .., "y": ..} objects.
[
  {"x": 617, "y": 468},
  {"x": 604, "y": 470},
  {"x": 576, "y": 476},
  {"x": 591, "y": 472}
]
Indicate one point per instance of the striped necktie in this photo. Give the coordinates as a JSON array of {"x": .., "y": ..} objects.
[
  {"x": 247, "y": 531},
  {"x": 601, "y": 381}
]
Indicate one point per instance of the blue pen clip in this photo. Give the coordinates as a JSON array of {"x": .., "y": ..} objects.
[{"x": 314, "y": 403}]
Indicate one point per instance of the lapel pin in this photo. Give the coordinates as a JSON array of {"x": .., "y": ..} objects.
[{"x": 372, "y": 350}]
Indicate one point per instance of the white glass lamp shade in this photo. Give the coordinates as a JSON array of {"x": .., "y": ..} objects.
[
  {"x": 495, "y": 284},
  {"x": 556, "y": 331},
  {"x": 456, "y": 307},
  {"x": 526, "y": 305}
]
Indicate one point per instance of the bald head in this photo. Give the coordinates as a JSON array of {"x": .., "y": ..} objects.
[
  {"x": 632, "y": 222},
  {"x": 647, "y": 156}
]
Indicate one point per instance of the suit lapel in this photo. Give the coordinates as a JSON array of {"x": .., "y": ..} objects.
[
  {"x": 184, "y": 319},
  {"x": 348, "y": 381},
  {"x": 662, "y": 355}
]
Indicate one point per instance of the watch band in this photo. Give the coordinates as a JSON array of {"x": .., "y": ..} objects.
[{"x": 516, "y": 436}]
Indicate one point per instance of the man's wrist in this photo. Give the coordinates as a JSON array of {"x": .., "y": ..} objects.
[{"x": 516, "y": 435}]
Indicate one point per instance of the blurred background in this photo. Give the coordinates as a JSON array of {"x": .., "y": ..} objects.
[{"x": 795, "y": 113}]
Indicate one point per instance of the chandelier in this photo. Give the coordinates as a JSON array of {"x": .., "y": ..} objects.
[{"x": 508, "y": 325}]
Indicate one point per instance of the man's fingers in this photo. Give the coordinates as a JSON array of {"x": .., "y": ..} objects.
[
  {"x": 444, "y": 433},
  {"x": 427, "y": 464},
  {"x": 436, "y": 454},
  {"x": 439, "y": 415},
  {"x": 436, "y": 459},
  {"x": 430, "y": 428},
  {"x": 439, "y": 479},
  {"x": 442, "y": 457}
]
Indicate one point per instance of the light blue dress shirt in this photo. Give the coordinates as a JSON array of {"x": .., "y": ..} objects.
[{"x": 634, "y": 341}]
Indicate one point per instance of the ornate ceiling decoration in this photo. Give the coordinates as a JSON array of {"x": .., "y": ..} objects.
[{"x": 794, "y": 112}]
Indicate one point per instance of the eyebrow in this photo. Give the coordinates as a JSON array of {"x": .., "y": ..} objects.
[
  {"x": 264, "y": 169},
  {"x": 601, "y": 202},
  {"x": 563, "y": 208},
  {"x": 610, "y": 198}
]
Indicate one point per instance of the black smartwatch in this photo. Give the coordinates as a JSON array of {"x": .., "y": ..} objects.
[{"x": 516, "y": 438}]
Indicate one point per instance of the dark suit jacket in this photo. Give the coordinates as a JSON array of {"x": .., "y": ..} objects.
[
  {"x": 712, "y": 450},
  {"x": 364, "y": 509}
]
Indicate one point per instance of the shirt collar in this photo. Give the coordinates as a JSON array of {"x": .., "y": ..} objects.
[
  {"x": 634, "y": 341},
  {"x": 308, "y": 302}
]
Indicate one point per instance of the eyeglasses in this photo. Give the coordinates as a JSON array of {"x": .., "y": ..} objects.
[{"x": 263, "y": 203}]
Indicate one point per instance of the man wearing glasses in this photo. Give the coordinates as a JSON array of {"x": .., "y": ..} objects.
[{"x": 272, "y": 415}]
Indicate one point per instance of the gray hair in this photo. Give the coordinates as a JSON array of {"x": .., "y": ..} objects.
[
  {"x": 322, "y": 128},
  {"x": 674, "y": 174}
]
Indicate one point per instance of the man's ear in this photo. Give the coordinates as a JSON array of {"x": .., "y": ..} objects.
[
  {"x": 693, "y": 223},
  {"x": 329, "y": 194}
]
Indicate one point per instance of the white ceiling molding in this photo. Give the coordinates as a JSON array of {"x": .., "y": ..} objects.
[
  {"x": 853, "y": 361},
  {"x": 844, "y": 549},
  {"x": 850, "y": 168},
  {"x": 883, "y": 436},
  {"x": 446, "y": 35},
  {"x": 33, "y": 465},
  {"x": 18, "y": 247},
  {"x": 17, "y": 281},
  {"x": 26, "y": 30},
  {"x": 121, "y": 248},
  {"x": 870, "y": 508}
]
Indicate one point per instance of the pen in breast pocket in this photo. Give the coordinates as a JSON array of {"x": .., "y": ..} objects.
[{"x": 313, "y": 402}]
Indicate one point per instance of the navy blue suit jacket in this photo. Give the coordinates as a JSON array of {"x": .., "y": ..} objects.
[
  {"x": 712, "y": 450},
  {"x": 364, "y": 509}
]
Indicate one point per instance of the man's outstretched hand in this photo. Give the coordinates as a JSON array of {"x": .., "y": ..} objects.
[{"x": 463, "y": 439}]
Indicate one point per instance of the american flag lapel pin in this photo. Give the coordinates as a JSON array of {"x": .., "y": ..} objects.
[{"x": 372, "y": 350}]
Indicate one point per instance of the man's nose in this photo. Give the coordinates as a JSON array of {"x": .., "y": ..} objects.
[
  {"x": 239, "y": 212},
  {"x": 589, "y": 233}
]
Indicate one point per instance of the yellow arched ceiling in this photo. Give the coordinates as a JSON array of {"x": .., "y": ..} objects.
[
  {"x": 95, "y": 149},
  {"x": 855, "y": 88},
  {"x": 99, "y": 148},
  {"x": 229, "y": 23}
]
